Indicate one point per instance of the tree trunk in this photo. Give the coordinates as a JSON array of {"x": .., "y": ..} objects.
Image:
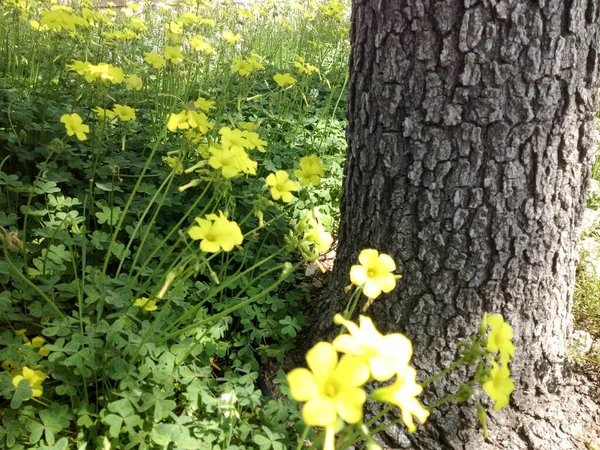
[{"x": 471, "y": 138}]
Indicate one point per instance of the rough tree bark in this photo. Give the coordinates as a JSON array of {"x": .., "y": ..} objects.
[{"x": 470, "y": 147}]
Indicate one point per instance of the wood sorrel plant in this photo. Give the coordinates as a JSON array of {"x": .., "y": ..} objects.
[
  {"x": 333, "y": 387},
  {"x": 146, "y": 266}
]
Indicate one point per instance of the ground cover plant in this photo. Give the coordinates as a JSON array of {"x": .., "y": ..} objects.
[{"x": 164, "y": 172}]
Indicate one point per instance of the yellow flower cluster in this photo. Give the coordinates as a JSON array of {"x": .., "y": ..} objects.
[
  {"x": 34, "y": 378},
  {"x": 200, "y": 45},
  {"x": 232, "y": 161},
  {"x": 230, "y": 37},
  {"x": 102, "y": 71},
  {"x": 499, "y": 340},
  {"x": 248, "y": 65},
  {"x": 154, "y": 59},
  {"x": 216, "y": 233},
  {"x": 304, "y": 67},
  {"x": 230, "y": 156},
  {"x": 314, "y": 233},
  {"x": 311, "y": 170},
  {"x": 332, "y": 386},
  {"x": 60, "y": 18},
  {"x": 123, "y": 112},
  {"x": 189, "y": 120}
]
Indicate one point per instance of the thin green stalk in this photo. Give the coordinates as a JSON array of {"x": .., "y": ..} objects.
[
  {"x": 192, "y": 311},
  {"x": 448, "y": 369},
  {"x": 166, "y": 238},
  {"x": 227, "y": 311},
  {"x": 19, "y": 275},
  {"x": 168, "y": 181},
  {"x": 302, "y": 438}
]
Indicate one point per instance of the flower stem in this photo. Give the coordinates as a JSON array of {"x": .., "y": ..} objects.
[{"x": 443, "y": 372}]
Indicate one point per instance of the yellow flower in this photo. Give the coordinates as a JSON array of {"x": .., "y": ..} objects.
[
  {"x": 281, "y": 186},
  {"x": 106, "y": 72},
  {"x": 81, "y": 67},
  {"x": 499, "y": 386},
  {"x": 216, "y": 232},
  {"x": 34, "y": 379},
  {"x": 154, "y": 59},
  {"x": 178, "y": 121},
  {"x": 173, "y": 54},
  {"x": 310, "y": 171},
  {"x": 134, "y": 82},
  {"x": 75, "y": 126},
  {"x": 124, "y": 112},
  {"x": 200, "y": 45},
  {"x": 38, "y": 343},
  {"x": 233, "y": 139},
  {"x": 8, "y": 365},
  {"x": 138, "y": 24},
  {"x": 500, "y": 338},
  {"x": 317, "y": 234},
  {"x": 104, "y": 113},
  {"x": 174, "y": 163},
  {"x": 304, "y": 67},
  {"x": 125, "y": 35},
  {"x": 175, "y": 28},
  {"x": 230, "y": 37},
  {"x": 231, "y": 161},
  {"x": 403, "y": 394},
  {"x": 386, "y": 355},
  {"x": 199, "y": 121},
  {"x": 254, "y": 62},
  {"x": 284, "y": 79},
  {"x": 331, "y": 388},
  {"x": 254, "y": 141},
  {"x": 374, "y": 274},
  {"x": 242, "y": 67},
  {"x": 205, "y": 105},
  {"x": 146, "y": 304},
  {"x": 250, "y": 126}
]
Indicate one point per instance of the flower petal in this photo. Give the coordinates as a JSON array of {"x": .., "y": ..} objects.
[
  {"x": 386, "y": 282},
  {"x": 319, "y": 411},
  {"x": 349, "y": 405},
  {"x": 358, "y": 275},
  {"x": 368, "y": 257},
  {"x": 386, "y": 262},
  {"x": 371, "y": 289},
  {"x": 322, "y": 359},
  {"x": 302, "y": 384},
  {"x": 351, "y": 372}
]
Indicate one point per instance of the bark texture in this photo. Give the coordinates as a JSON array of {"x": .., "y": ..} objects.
[{"x": 471, "y": 138}]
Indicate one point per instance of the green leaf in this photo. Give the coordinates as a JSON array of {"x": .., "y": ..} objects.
[
  {"x": 22, "y": 393},
  {"x": 122, "y": 407},
  {"x": 261, "y": 440},
  {"x": 115, "y": 423},
  {"x": 55, "y": 420},
  {"x": 117, "y": 369},
  {"x": 85, "y": 421},
  {"x": 109, "y": 215},
  {"x": 36, "y": 430}
]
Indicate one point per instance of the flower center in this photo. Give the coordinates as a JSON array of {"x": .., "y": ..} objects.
[
  {"x": 330, "y": 390},
  {"x": 370, "y": 273}
]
